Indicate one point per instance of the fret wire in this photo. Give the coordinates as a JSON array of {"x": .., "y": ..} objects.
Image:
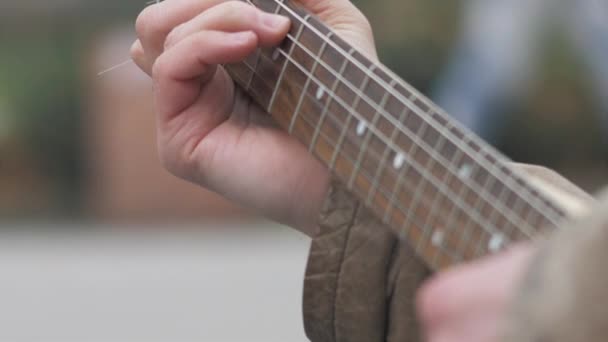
[
  {"x": 429, "y": 225},
  {"x": 313, "y": 141},
  {"x": 507, "y": 212},
  {"x": 419, "y": 192},
  {"x": 489, "y": 182},
  {"x": 392, "y": 201},
  {"x": 364, "y": 173},
  {"x": 366, "y": 139},
  {"x": 492, "y": 169},
  {"x": 501, "y": 197},
  {"x": 294, "y": 117},
  {"x": 387, "y": 152},
  {"x": 461, "y": 193},
  {"x": 348, "y": 120},
  {"x": 278, "y": 83}
]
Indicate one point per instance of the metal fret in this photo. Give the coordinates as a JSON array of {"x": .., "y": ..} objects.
[
  {"x": 429, "y": 230},
  {"x": 281, "y": 75},
  {"x": 449, "y": 226},
  {"x": 344, "y": 132},
  {"x": 419, "y": 192},
  {"x": 330, "y": 96},
  {"x": 387, "y": 150},
  {"x": 493, "y": 216},
  {"x": 467, "y": 229},
  {"x": 398, "y": 184},
  {"x": 296, "y": 112},
  {"x": 368, "y": 136}
]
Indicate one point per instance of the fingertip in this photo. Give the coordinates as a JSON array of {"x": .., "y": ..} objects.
[{"x": 139, "y": 57}]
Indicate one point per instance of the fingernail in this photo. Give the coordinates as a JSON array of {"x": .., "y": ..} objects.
[{"x": 275, "y": 21}]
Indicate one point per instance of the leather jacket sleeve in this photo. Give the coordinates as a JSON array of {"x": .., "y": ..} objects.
[{"x": 361, "y": 280}]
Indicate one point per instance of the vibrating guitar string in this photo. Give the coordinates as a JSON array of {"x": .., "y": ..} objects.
[
  {"x": 364, "y": 173},
  {"x": 553, "y": 216},
  {"x": 374, "y": 153}
]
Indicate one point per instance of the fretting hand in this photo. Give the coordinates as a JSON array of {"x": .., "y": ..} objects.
[{"x": 208, "y": 131}]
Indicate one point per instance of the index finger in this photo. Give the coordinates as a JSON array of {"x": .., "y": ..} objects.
[{"x": 156, "y": 21}]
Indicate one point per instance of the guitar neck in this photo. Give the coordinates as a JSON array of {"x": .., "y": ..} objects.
[{"x": 450, "y": 195}]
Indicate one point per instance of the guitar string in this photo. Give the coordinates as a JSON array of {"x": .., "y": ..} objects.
[
  {"x": 281, "y": 4},
  {"x": 474, "y": 187},
  {"x": 432, "y": 153},
  {"x": 374, "y": 152},
  {"x": 438, "y": 111},
  {"x": 366, "y": 100},
  {"x": 129, "y": 61},
  {"x": 331, "y": 115},
  {"x": 553, "y": 215}
]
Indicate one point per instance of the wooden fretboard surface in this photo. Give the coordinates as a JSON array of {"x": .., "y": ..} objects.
[{"x": 449, "y": 194}]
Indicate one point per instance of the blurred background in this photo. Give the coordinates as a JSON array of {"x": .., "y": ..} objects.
[{"x": 98, "y": 242}]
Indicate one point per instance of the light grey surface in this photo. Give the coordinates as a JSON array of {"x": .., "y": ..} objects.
[{"x": 169, "y": 284}]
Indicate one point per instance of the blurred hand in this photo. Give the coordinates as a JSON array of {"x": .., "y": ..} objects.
[
  {"x": 470, "y": 303},
  {"x": 208, "y": 130}
]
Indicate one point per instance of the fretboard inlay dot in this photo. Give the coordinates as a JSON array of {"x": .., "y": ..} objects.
[
  {"x": 361, "y": 128},
  {"x": 438, "y": 237},
  {"x": 320, "y": 93},
  {"x": 399, "y": 160},
  {"x": 465, "y": 171},
  {"x": 496, "y": 243}
]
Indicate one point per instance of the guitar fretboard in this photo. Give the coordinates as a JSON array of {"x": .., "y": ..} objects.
[{"x": 449, "y": 194}]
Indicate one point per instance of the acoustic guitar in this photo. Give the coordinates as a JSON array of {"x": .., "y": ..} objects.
[{"x": 449, "y": 194}]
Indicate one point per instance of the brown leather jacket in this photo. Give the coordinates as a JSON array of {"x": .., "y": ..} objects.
[{"x": 361, "y": 280}]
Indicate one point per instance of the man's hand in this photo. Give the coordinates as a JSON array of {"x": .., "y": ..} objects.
[
  {"x": 208, "y": 131},
  {"x": 470, "y": 303}
]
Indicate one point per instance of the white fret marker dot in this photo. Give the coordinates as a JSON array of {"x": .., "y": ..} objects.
[
  {"x": 496, "y": 243},
  {"x": 276, "y": 54},
  {"x": 438, "y": 237},
  {"x": 361, "y": 127},
  {"x": 465, "y": 171},
  {"x": 320, "y": 93},
  {"x": 399, "y": 160}
]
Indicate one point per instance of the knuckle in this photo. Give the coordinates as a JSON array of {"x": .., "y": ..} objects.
[
  {"x": 159, "y": 69},
  {"x": 173, "y": 37}
]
